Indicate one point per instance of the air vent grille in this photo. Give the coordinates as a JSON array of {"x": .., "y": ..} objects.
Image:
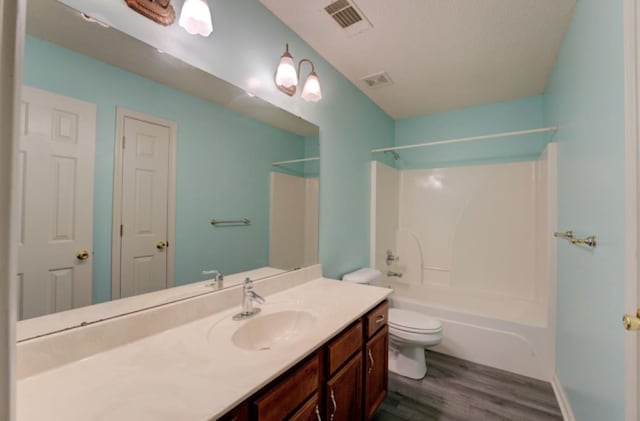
[
  {"x": 336, "y": 6},
  {"x": 377, "y": 80},
  {"x": 343, "y": 13}
]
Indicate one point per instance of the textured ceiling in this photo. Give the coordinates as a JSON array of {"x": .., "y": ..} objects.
[{"x": 440, "y": 54}]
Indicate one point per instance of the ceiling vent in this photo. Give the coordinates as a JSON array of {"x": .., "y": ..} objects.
[
  {"x": 346, "y": 14},
  {"x": 377, "y": 80}
]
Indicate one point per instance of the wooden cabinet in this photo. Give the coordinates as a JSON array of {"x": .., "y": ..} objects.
[
  {"x": 239, "y": 413},
  {"x": 377, "y": 319},
  {"x": 310, "y": 411},
  {"x": 376, "y": 375},
  {"x": 281, "y": 400},
  {"x": 344, "y": 380},
  {"x": 346, "y": 343},
  {"x": 344, "y": 392}
]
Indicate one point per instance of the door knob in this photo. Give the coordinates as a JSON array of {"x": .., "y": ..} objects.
[
  {"x": 630, "y": 322},
  {"x": 82, "y": 255},
  {"x": 161, "y": 245}
]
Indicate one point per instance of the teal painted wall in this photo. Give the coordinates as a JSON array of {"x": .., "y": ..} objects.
[
  {"x": 312, "y": 150},
  {"x": 501, "y": 117},
  {"x": 223, "y": 163},
  {"x": 244, "y": 49},
  {"x": 585, "y": 97}
]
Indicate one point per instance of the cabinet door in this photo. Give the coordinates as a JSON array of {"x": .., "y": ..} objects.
[
  {"x": 310, "y": 411},
  {"x": 344, "y": 392},
  {"x": 288, "y": 393},
  {"x": 376, "y": 376}
]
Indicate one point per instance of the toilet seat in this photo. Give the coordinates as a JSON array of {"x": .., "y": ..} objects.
[{"x": 412, "y": 322}]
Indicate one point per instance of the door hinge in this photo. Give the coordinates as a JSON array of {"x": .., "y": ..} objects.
[
  {"x": 121, "y": 230},
  {"x": 123, "y": 141}
]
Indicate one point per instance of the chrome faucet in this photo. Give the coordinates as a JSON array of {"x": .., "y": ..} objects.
[
  {"x": 248, "y": 297},
  {"x": 218, "y": 277},
  {"x": 391, "y": 258},
  {"x": 394, "y": 274}
]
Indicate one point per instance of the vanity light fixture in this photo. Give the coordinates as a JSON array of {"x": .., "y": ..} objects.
[
  {"x": 195, "y": 17},
  {"x": 286, "y": 78}
]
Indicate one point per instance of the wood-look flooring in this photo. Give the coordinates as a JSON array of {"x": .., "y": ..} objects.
[{"x": 456, "y": 389}]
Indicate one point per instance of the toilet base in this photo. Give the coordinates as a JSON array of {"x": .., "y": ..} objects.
[{"x": 408, "y": 361}]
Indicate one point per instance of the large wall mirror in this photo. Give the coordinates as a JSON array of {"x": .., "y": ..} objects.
[{"x": 140, "y": 172}]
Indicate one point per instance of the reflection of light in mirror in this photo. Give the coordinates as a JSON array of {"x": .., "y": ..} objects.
[
  {"x": 433, "y": 182},
  {"x": 253, "y": 83},
  {"x": 93, "y": 20}
]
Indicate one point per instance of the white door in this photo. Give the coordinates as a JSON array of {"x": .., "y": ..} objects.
[
  {"x": 144, "y": 212},
  {"x": 56, "y": 166}
]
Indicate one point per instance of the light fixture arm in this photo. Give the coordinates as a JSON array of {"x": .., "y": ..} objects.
[
  {"x": 313, "y": 69},
  {"x": 312, "y": 78}
]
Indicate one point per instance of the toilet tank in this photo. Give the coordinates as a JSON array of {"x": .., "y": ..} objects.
[{"x": 363, "y": 276}]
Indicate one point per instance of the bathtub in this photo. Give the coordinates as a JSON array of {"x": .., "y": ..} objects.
[{"x": 504, "y": 334}]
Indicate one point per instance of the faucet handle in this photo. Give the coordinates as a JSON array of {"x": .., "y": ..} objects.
[
  {"x": 218, "y": 277},
  {"x": 213, "y": 272},
  {"x": 256, "y": 297}
]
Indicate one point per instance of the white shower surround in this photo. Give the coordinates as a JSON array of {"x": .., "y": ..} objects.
[{"x": 476, "y": 251}]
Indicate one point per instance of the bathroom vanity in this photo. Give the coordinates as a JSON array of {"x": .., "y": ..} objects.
[
  {"x": 317, "y": 348},
  {"x": 346, "y": 379}
]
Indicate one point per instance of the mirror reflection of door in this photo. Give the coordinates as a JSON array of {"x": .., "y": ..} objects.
[
  {"x": 143, "y": 184},
  {"x": 56, "y": 172}
]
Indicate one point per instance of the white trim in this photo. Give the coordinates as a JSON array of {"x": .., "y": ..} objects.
[
  {"x": 294, "y": 161},
  {"x": 121, "y": 113},
  {"x": 552, "y": 244},
  {"x": 12, "y": 24},
  {"x": 563, "y": 402},
  {"x": 372, "y": 214},
  {"x": 468, "y": 139},
  {"x": 631, "y": 206}
]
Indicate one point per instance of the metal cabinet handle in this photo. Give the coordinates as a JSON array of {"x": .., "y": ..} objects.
[
  {"x": 82, "y": 255},
  {"x": 335, "y": 405},
  {"x": 318, "y": 413},
  {"x": 370, "y": 358},
  {"x": 380, "y": 319},
  {"x": 630, "y": 322}
]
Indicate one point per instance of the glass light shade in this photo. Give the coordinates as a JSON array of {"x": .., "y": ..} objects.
[
  {"x": 286, "y": 74},
  {"x": 195, "y": 17},
  {"x": 311, "y": 91}
]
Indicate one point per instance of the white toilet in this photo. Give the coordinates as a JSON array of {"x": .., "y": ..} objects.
[{"x": 409, "y": 332}]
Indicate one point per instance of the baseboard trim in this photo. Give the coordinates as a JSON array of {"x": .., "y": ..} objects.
[{"x": 565, "y": 407}]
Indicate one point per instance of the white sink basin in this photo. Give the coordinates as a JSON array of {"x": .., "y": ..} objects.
[{"x": 274, "y": 330}]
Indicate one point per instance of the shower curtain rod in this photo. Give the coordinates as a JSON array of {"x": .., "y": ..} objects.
[
  {"x": 468, "y": 139},
  {"x": 294, "y": 161}
]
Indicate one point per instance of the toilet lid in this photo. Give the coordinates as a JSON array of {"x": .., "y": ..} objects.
[{"x": 411, "y": 321}]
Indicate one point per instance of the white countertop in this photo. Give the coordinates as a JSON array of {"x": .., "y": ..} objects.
[
  {"x": 42, "y": 325},
  {"x": 192, "y": 372}
]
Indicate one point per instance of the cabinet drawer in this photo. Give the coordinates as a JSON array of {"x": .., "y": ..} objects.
[
  {"x": 377, "y": 318},
  {"x": 310, "y": 411},
  {"x": 344, "y": 346},
  {"x": 239, "y": 413},
  {"x": 289, "y": 393}
]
